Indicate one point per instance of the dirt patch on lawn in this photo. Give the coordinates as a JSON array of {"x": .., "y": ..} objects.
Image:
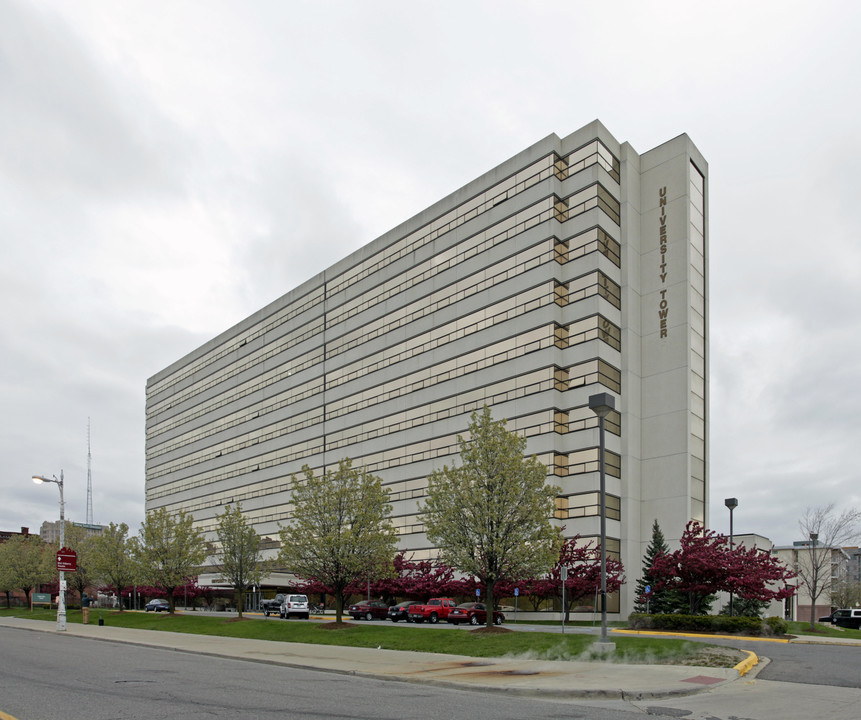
[
  {"x": 336, "y": 625},
  {"x": 714, "y": 656},
  {"x": 495, "y": 630}
]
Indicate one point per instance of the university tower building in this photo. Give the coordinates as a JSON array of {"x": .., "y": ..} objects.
[{"x": 578, "y": 266}]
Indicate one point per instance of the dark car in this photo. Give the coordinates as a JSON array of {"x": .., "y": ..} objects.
[
  {"x": 157, "y": 605},
  {"x": 827, "y": 619},
  {"x": 373, "y": 610},
  {"x": 474, "y": 613},
  {"x": 848, "y": 618},
  {"x": 401, "y": 611}
]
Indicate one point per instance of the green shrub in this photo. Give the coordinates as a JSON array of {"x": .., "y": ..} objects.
[
  {"x": 778, "y": 626},
  {"x": 708, "y": 624}
]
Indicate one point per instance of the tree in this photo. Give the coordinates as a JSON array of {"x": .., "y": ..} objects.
[
  {"x": 342, "y": 530},
  {"x": 583, "y": 563},
  {"x": 77, "y": 539},
  {"x": 656, "y": 601},
  {"x": 704, "y": 565},
  {"x": 111, "y": 558},
  {"x": 490, "y": 517},
  {"x": 27, "y": 563},
  {"x": 826, "y": 530},
  {"x": 421, "y": 579},
  {"x": 168, "y": 551},
  {"x": 239, "y": 559},
  {"x": 7, "y": 582}
]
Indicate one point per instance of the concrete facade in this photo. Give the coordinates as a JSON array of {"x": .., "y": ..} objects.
[{"x": 578, "y": 266}]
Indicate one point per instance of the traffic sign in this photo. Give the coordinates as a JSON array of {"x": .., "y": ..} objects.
[{"x": 67, "y": 560}]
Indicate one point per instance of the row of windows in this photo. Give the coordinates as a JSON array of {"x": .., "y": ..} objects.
[
  {"x": 277, "y": 320},
  {"x": 301, "y": 333},
  {"x": 538, "y": 423},
  {"x": 592, "y": 240},
  {"x": 585, "y": 373},
  {"x": 562, "y": 210},
  {"x": 508, "y": 309},
  {"x": 462, "y": 403},
  {"x": 557, "y": 464},
  {"x": 592, "y": 153},
  {"x": 594, "y": 327},
  {"x": 608, "y": 289},
  {"x": 587, "y": 505},
  {"x": 593, "y": 283},
  {"x": 592, "y": 371},
  {"x": 487, "y": 277},
  {"x": 430, "y": 376},
  {"x": 265, "y": 381}
]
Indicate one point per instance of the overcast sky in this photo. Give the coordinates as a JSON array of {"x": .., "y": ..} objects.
[{"x": 168, "y": 168}]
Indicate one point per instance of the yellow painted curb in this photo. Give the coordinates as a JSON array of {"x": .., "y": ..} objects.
[
  {"x": 4, "y": 716},
  {"x": 701, "y": 635},
  {"x": 746, "y": 666}
]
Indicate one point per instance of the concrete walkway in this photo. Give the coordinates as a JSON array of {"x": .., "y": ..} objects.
[{"x": 520, "y": 676}]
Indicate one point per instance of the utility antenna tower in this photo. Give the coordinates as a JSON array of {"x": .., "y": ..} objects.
[{"x": 89, "y": 478}]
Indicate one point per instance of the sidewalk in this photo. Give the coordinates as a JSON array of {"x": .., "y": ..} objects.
[{"x": 516, "y": 676}]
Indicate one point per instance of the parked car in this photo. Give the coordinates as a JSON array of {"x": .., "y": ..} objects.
[
  {"x": 848, "y": 618},
  {"x": 475, "y": 613},
  {"x": 827, "y": 619},
  {"x": 433, "y": 610},
  {"x": 157, "y": 605},
  {"x": 272, "y": 605},
  {"x": 294, "y": 605},
  {"x": 401, "y": 611},
  {"x": 373, "y": 610}
]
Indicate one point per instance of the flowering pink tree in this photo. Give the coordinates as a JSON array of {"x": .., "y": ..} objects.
[{"x": 704, "y": 565}]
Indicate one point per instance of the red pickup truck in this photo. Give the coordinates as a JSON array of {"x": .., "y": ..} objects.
[{"x": 433, "y": 611}]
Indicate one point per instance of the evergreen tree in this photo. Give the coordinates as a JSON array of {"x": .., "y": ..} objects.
[{"x": 659, "y": 601}]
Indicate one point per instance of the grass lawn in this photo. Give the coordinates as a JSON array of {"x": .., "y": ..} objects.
[
  {"x": 543, "y": 646},
  {"x": 823, "y": 630}
]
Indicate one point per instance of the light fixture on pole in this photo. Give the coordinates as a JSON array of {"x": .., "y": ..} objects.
[
  {"x": 602, "y": 404},
  {"x": 61, "y": 595},
  {"x": 732, "y": 504}
]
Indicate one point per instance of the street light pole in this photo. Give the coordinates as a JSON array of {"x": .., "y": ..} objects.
[
  {"x": 61, "y": 595},
  {"x": 602, "y": 404},
  {"x": 732, "y": 504}
]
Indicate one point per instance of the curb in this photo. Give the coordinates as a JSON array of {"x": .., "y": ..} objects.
[{"x": 745, "y": 666}]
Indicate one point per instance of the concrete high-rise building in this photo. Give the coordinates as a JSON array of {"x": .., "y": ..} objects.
[{"x": 578, "y": 266}]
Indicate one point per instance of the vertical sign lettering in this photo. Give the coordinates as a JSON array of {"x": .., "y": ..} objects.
[{"x": 663, "y": 307}]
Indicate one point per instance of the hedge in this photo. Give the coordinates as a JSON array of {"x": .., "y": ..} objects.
[{"x": 709, "y": 624}]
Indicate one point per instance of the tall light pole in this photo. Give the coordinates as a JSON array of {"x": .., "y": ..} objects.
[
  {"x": 61, "y": 596},
  {"x": 732, "y": 504},
  {"x": 602, "y": 404}
]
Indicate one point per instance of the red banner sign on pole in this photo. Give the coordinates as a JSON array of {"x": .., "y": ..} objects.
[{"x": 67, "y": 560}]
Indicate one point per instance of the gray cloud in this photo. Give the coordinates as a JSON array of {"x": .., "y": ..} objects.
[{"x": 167, "y": 172}]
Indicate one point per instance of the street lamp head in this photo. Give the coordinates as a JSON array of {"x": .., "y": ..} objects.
[
  {"x": 601, "y": 404},
  {"x": 39, "y": 479},
  {"x": 731, "y": 503},
  {"x": 814, "y": 536}
]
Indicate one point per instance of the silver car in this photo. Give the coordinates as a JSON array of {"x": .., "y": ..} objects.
[{"x": 294, "y": 605}]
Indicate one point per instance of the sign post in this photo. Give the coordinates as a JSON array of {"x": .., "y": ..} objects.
[
  {"x": 516, "y": 593},
  {"x": 563, "y": 573},
  {"x": 67, "y": 560}
]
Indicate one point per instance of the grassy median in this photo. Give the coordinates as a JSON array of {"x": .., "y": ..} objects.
[{"x": 461, "y": 641}]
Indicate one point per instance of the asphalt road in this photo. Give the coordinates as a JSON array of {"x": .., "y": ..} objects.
[{"x": 56, "y": 677}]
